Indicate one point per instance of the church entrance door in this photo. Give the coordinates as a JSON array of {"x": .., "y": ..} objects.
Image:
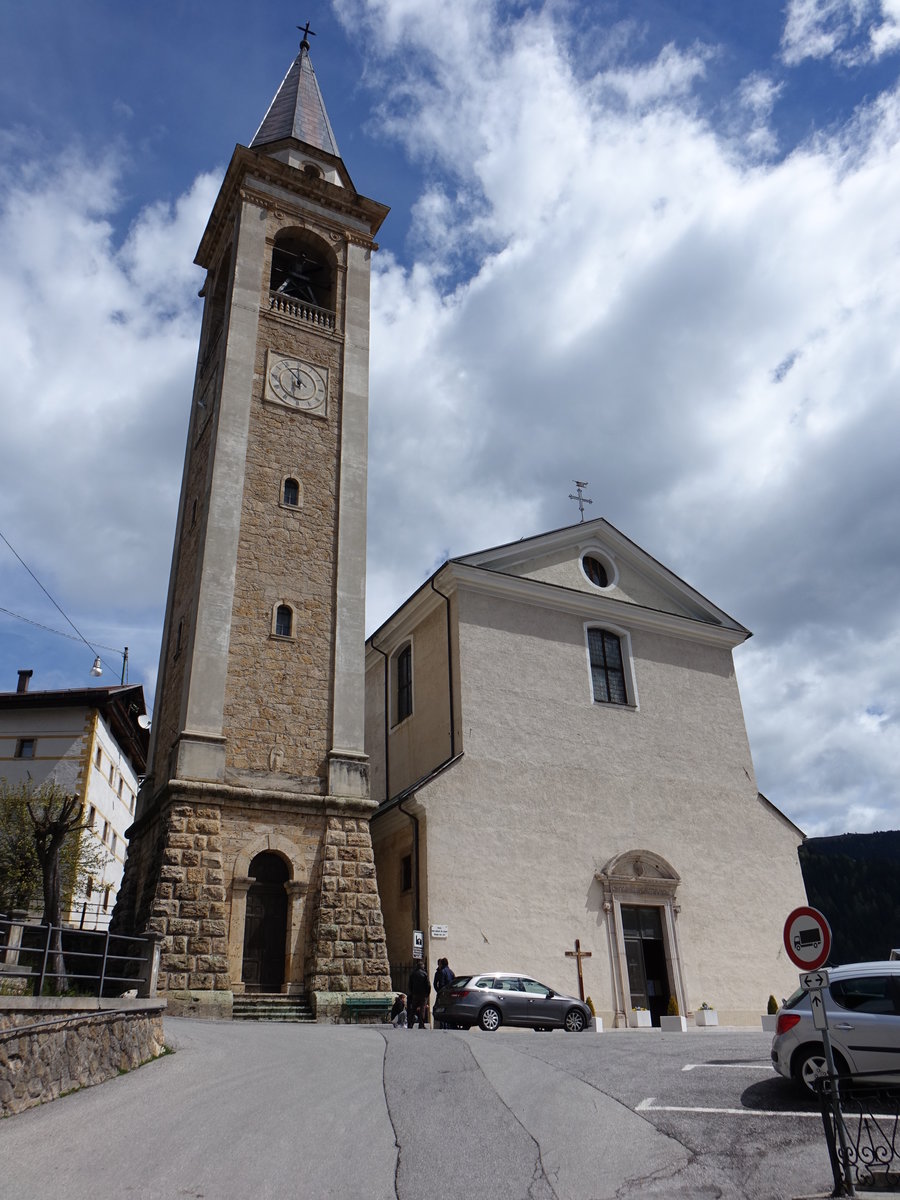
[
  {"x": 265, "y": 925},
  {"x": 645, "y": 954}
]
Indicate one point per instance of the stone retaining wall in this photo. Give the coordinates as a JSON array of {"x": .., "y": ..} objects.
[{"x": 66, "y": 1044}]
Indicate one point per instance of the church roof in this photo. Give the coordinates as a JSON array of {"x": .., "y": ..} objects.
[{"x": 298, "y": 110}]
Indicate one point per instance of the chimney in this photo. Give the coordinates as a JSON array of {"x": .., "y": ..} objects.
[{"x": 24, "y": 677}]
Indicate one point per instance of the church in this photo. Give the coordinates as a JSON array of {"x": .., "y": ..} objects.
[
  {"x": 557, "y": 743},
  {"x": 542, "y": 750}
]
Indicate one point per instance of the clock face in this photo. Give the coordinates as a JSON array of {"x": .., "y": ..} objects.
[{"x": 297, "y": 383}]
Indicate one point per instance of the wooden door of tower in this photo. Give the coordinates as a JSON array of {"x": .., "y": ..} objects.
[
  {"x": 265, "y": 925},
  {"x": 645, "y": 954}
]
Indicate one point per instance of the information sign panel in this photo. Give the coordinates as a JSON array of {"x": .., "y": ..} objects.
[
  {"x": 810, "y": 981},
  {"x": 418, "y": 943}
]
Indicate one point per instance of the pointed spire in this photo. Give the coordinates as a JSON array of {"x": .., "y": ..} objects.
[{"x": 298, "y": 110}]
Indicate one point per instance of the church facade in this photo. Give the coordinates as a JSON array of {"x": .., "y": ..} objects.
[
  {"x": 559, "y": 751},
  {"x": 250, "y": 856}
]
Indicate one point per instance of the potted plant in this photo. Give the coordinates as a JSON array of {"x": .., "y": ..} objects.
[
  {"x": 673, "y": 1021},
  {"x": 639, "y": 1018},
  {"x": 596, "y": 1022},
  {"x": 770, "y": 1019},
  {"x": 706, "y": 1015}
]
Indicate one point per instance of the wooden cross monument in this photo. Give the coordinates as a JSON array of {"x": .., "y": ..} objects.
[{"x": 578, "y": 954}]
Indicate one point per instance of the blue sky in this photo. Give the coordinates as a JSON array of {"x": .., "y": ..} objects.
[{"x": 650, "y": 244}]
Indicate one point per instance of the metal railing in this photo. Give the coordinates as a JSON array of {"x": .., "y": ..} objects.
[
  {"x": 861, "y": 1116},
  {"x": 94, "y": 963}
]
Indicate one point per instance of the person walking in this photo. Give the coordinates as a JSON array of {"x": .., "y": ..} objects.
[
  {"x": 443, "y": 976},
  {"x": 417, "y": 990}
]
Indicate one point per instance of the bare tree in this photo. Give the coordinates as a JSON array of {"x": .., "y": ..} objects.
[{"x": 53, "y": 817}]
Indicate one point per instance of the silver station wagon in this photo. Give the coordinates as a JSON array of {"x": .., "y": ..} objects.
[
  {"x": 862, "y": 1003},
  {"x": 504, "y": 998}
]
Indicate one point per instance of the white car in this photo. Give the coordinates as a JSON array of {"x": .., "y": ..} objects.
[{"x": 862, "y": 1002}]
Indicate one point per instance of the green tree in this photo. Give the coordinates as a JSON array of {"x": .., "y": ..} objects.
[{"x": 46, "y": 854}]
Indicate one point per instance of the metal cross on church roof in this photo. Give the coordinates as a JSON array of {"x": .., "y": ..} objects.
[
  {"x": 307, "y": 34},
  {"x": 580, "y": 485}
]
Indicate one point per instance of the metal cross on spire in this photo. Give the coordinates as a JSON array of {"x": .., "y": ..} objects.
[
  {"x": 580, "y": 485},
  {"x": 307, "y": 34}
]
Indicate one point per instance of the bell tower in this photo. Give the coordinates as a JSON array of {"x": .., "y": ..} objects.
[{"x": 250, "y": 856}]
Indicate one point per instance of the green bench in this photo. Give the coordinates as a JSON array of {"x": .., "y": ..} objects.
[{"x": 368, "y": 1004}]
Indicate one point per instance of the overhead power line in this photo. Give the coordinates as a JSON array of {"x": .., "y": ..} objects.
[{"x": 47, "y": 594}]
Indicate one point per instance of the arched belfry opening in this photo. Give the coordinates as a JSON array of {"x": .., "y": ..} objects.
[
  {"x": 304, "y": 269},
  {"x": 265, "y": 924}
]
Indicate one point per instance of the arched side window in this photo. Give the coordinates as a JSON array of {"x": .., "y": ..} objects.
[
  {"x": 291, "y": 493},
  {"x": 283, "y": 621},
  {"x": 610, "y": 666},
  {"x": 401, "y": 684}
]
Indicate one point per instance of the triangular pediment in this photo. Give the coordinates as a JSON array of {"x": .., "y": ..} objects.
[{"x": 595, "y": 558}]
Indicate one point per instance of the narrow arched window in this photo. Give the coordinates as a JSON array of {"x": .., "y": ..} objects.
[
  {"x": 284, "y": 621},
  {"x": 291, "y": 493}
]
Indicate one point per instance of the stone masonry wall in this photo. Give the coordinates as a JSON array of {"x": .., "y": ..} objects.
[
  {"x": 87, "y": 1048},
  {"x": 279, "y": 691},
  {"x": 188, "y": 910},
  {"x": 350, "y": 950}
]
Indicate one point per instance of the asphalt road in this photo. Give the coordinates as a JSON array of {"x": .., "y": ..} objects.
[{"x": 374, "y": 1113}]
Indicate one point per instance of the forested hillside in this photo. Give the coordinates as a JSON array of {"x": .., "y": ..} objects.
[{"x": 854, "y": 879}]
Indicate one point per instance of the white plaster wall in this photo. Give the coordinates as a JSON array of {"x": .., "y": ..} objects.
[{"x": 552, "y": 786}]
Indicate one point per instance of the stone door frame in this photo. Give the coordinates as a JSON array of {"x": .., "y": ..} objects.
[
  {"x": 644, "y": 879},
  {"x": 296, "y": 888}
]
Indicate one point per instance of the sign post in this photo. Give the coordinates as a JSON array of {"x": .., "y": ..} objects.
[{"x": 807, "y": 939}]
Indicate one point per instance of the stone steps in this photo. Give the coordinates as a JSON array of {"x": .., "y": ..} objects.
[{"x": 261, "y": 1006}]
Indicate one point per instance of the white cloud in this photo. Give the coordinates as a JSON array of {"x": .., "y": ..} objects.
[
  {"x": 853, "y": 31},
  {"x": 101, "y": 345},
  {"x": 708, "y": 337},
  {"x": 609, "y": 281}
]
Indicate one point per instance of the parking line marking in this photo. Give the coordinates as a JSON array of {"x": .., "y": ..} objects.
[
  {"x": 730, "y": 1066},
  {"x": 648, "y": 1106}
]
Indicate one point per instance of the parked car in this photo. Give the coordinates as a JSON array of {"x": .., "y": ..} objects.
[
  {"x": 862, "y": 1003},
  {"x": 505, "y": 998}
]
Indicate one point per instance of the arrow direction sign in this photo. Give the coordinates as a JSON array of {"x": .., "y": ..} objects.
[
  {"x": 812, "y": 981},
  {"x": 820, "y": 1018}
]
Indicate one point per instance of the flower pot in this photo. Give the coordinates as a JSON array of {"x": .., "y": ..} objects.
[
  {"x": 706, "y": 1016},
  {"x": 769, "y": 1022},
  {"x": 673, "y": 1024},
  {"x": 639, "y": 1018}
]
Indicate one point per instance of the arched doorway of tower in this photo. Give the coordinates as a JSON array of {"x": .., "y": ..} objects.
[{"x": 265, "y": 924}]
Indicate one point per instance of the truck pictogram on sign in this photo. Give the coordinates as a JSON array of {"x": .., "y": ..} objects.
[{"x": 808, "y": 939}]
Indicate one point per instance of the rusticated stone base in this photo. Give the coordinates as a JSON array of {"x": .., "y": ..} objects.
[
  {"x": 188, "y": 909},
  {"x": 188, "y": 879}
]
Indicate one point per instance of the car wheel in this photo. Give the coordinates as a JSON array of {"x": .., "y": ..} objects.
[
  {"x": 811, "y": 1065},
  {"x": 575, "y": 1021},
  {"x": 490, "y": 1018}
]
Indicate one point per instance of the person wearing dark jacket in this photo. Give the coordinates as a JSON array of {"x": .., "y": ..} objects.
[
  {"x": 418, "y": 990},
  {"x": 443, "y": 976}
]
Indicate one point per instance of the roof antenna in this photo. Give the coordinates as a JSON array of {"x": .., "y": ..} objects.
[
  {"x": 580, "y": 485},
  {"x": 307, "y": 34}
]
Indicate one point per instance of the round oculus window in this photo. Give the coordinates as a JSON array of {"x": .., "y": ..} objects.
[{"x": 596, "y": 571}]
